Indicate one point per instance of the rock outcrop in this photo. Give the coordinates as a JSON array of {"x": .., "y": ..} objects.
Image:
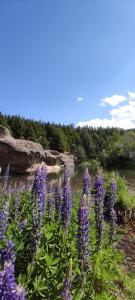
[
  {"x": 50, "y": 159},
  {"x": 53, "y": 157},
  {"x": 20, "y": 154},
  {"x": 25, "y": 156}
]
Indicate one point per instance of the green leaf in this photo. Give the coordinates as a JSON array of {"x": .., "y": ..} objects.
[{"x": 79, "y": 294}]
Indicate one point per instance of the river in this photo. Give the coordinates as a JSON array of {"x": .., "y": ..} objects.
[{"x": 76, "y": 179}]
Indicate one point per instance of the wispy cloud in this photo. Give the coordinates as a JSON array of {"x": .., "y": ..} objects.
[
  {"x": 122, "y": 116},
  {"x": 79, "y": 99}
]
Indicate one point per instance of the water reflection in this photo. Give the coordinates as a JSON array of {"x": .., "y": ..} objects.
[{"x": 76, "y": 179}]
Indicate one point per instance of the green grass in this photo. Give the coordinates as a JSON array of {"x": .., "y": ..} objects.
[{"x": 127, "y": 281}]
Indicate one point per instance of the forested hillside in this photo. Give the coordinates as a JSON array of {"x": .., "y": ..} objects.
[{"x": 111, "y": 147}]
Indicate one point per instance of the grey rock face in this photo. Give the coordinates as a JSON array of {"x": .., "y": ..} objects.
[
  {"x": 20, "y": 154},
  {"x": 24, "y": 156},
  {"x": 53, "y": 157}
]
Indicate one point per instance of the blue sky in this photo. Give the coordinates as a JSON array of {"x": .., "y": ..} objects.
[{"x": 60, "y": 60}]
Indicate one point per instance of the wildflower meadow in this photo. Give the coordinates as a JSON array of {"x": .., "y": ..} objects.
[{"x": 57, "y": 244}]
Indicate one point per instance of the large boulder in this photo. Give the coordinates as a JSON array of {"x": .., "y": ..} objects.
[
  {"x": 53, "y": 157},
  {"x": 20, "y": 154},
  {"x": 50, "y": 159}
]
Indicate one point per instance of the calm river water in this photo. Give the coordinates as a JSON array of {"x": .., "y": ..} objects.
[{"x": 76, "y": 179}]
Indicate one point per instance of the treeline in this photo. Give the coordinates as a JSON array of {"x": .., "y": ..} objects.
[{"x": 111, "y": 146}]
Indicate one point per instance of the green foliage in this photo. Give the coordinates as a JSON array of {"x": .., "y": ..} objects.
[
  {"x": 92, "y": 165},
  {"x": 112, "y": 147},
  {"x": 57, "y": 139},
  {"x": 127, "y": 281},
  {"x": 80, "y": 154},
  {"x": 42, "y": 272},
  {"x": 124, "y": 198}
]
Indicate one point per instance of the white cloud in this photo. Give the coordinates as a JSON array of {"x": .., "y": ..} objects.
[
  {"x": 79, "y": 99},
  {"x": 113, "y": 100},
  {"x": 122, "y": 116},
  {"x": 131, "y": 96},
  {"x": 107, "y": 123},
  {"x": 125, "y": 112}
]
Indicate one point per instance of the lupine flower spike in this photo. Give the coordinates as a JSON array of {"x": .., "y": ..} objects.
[
  {"x": 16, "y": 206},
  {"x": 66, "y": 294},
  {"x": 35, "y": 190},
  {"x": 23, "y": 224},
  {"x": 7, "y": 253},
  {"x": 86, "y": 182},
  {"x": 4, "y": 220},
  {"x": 50, "y": 203},
  {"x": 39, "y": 196},
  {"x": 9, "y": 290},
  {"x": 99, "y": 204},
  {"x": 112, "y": 214},
  {"x": 58, "y": 198},
  {"x": 43, "y": 186},
  {"x": 38, "y": 200},
  {"x": 66, "y": 205},
  {"x": 83, "y": 234},
  {"x": 66, "y": 175}
]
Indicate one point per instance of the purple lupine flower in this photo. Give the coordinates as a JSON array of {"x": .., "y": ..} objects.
[
  {"x": 20, "y": 293},
  {"x": 83, "y": 234},
  {"x": 38, "y": 200},
  {"x": 23, "y": 224},
  {"x": 4, "y": 220},
  {"x": 43, "y": 186},
  {"x": 16, "y": 206},
  {"x": 35, "y": 189},
  {"x": 27, "y": 185},
  {"x": 35, "y": 202},
  {"x": 41, "y": 195},
  {"x": 2, "y": 273},
  {"x": 10, "y": 190},
  {"x": 6, "y": 175},
  {"x": 58, "y": 198},
  {"x": 112, "y": 214},
  {"x": 66, "y": 175},
  {"x": 99, "y": 204},
  {"x": 86, "y": 182},
  {"x": 50, "y": 202},
  {"x": 66, "y": 205},
  {"x": 9, "y": 290},
  {"x": 35, "y": 186},
  {"x": 9, "y": 281},
  {"x": 66, "y": 294},
  {"x": 7, "y": 253}
]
